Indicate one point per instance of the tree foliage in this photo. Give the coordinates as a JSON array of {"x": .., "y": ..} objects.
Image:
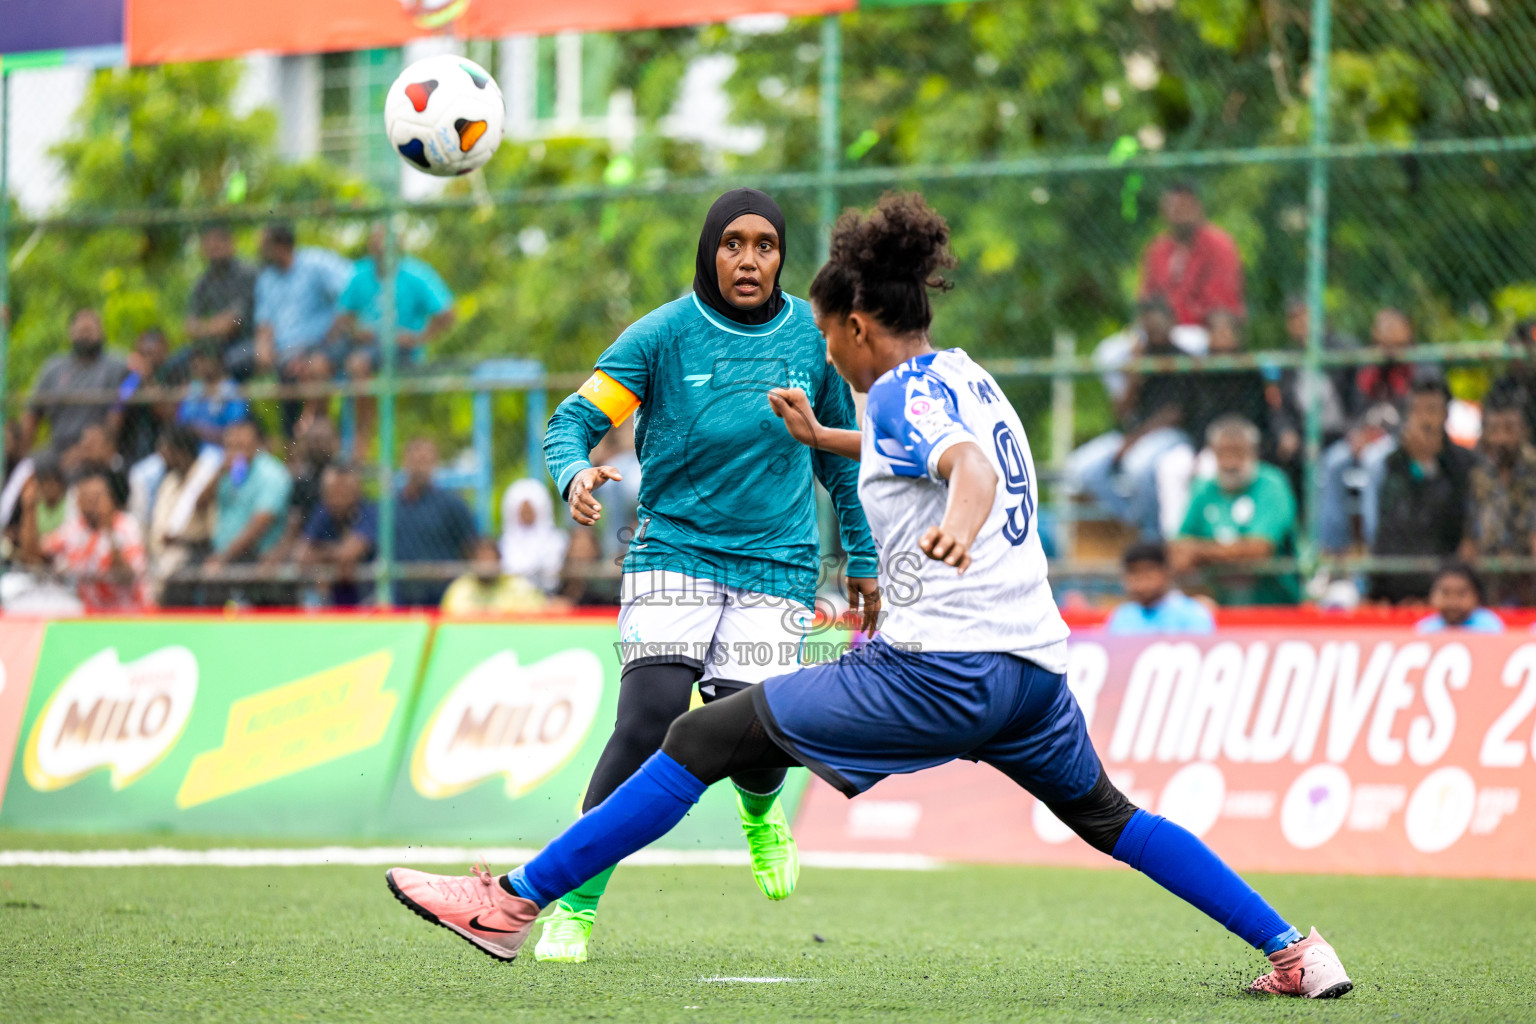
[{"x": 162, "y": 139}]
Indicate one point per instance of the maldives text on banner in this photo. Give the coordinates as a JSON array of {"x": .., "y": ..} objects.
[
  {"x": 163, "y": 31},
  {"x": 1358, "y": 751}
]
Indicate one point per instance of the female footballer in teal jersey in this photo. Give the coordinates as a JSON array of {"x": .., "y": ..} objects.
[{"x": 721, "y": 574}]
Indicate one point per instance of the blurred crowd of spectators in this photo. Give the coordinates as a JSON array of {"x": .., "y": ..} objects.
[
  {"x": 1211, "y": 464},
  {"x": 1155, "y": 606},
  {"x": 145, "y": 479}
]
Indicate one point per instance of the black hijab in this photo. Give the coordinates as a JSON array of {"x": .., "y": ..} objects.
[{"x": 738, "y": 202}]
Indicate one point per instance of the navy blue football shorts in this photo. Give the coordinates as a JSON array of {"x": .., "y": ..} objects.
[{"x": 879, "y": 711}]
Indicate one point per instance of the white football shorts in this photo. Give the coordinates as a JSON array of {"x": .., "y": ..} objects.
[{"x": 726, "y": 632}]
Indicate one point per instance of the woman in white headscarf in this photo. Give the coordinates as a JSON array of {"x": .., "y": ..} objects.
[{"x": 531, "y": 545}]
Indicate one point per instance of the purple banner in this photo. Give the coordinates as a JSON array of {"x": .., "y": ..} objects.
[{"x": 29, "y": 25}]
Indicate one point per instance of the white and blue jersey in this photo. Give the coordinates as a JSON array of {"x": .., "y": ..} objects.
[
  {"x": 965, "y": 666},
  {"x": 1003, "y": 602}
]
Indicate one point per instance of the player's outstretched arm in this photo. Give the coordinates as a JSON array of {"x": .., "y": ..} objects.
[
  {"x": 793, "y": 407},
  {"x": 972, "y": 489}
]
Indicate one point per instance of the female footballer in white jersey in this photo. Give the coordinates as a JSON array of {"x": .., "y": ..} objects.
[{"x": 972, "y": 667}]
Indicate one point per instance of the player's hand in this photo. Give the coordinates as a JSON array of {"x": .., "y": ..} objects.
[
  {"x": 585, "y": 509},
  {"x": 941, "y": 545},
  {"x": 864, "y": 592},
  {"x": 794, "y": 408}
]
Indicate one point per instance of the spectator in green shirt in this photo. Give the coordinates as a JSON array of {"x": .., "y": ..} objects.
[{"x": 1245, "y": 514}]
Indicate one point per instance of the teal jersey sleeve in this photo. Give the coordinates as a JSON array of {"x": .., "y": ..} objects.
[
  {"x": 580, "y": 421},
  {"x": 572, "y": 433},
  {"x": 834, "y": 408},
  {"x": 628, "y": 360}
]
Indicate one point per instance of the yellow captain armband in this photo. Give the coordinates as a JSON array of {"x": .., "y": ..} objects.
[{"x": 615, "y": 400}]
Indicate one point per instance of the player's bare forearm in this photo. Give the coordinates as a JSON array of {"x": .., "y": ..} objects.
[
  {"x": 839, "y": 442},
  {"x": 972, "y": 490},
  {"x": 793, "y": 407}
]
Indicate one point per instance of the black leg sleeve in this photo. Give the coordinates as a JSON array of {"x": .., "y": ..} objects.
[
  {"x": 724, "y": 738},
  {"x": 650, "y": 697},
  {"x": 763, "y": 780},
  {"x": 1099, "y": 817}
]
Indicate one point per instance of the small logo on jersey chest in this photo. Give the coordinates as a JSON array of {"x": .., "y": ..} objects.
[{"x": 799, "y": 379}]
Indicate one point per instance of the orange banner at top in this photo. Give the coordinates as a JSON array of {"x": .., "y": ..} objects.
[
  {"x": 486, "y": 19},
  {"x": 168, "y": 31}
]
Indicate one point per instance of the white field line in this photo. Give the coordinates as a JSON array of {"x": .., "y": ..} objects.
[
  {"x": 234, "y": 857},
  {"x": 759, "y": 981}
]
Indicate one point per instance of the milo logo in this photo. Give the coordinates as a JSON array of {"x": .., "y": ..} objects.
[
  {"x": 523, "y": 722},
  {"x": 107, "y": 714}
]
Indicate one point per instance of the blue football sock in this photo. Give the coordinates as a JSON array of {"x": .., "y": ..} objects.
[
  {"x": 636, "y": 814},
  {"x": 1186, "y": 867}
]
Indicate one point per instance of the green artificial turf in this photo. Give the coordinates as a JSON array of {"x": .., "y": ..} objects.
[{"x": 957, "y": 944}]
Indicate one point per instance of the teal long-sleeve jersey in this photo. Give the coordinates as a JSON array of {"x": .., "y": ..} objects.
[{"x": 725, "y": 491}]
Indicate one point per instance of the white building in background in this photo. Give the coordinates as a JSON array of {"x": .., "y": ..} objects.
[
  {"x": 42, "y": 108},
  {"x": 328, "y": 105}
]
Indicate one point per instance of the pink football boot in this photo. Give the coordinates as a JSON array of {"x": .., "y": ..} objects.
[
  {"x": 473, "y": 906},
  {"x": 1308, "y": 968}
]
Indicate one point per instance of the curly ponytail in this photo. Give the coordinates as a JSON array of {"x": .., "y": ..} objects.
[{"x": 884, "y": 264}]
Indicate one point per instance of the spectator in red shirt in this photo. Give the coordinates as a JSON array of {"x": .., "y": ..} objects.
[
  {"x": 1194, "y": 265},
  {"x": 99, "y": 548}
]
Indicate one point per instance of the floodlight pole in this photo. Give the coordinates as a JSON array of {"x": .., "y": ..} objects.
[{"x": 386, "y": 400}]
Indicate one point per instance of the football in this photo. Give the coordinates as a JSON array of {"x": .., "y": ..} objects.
[{"x": 444, "y": 115}]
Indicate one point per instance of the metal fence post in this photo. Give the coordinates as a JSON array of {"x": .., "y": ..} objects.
[
  {"x": 386, "y": 399},
  {"x": 482, "y": 427},
  {"x": 1063, "y": 348},
  {"x": 831, "y": 114},
  {"x": 537, "y": 403},
  {"x": 1317, "y": 270}
]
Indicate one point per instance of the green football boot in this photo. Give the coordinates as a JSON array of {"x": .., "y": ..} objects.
[
  {"x": 775, "y": 858},
  {"x": 565, "y": 935}
]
